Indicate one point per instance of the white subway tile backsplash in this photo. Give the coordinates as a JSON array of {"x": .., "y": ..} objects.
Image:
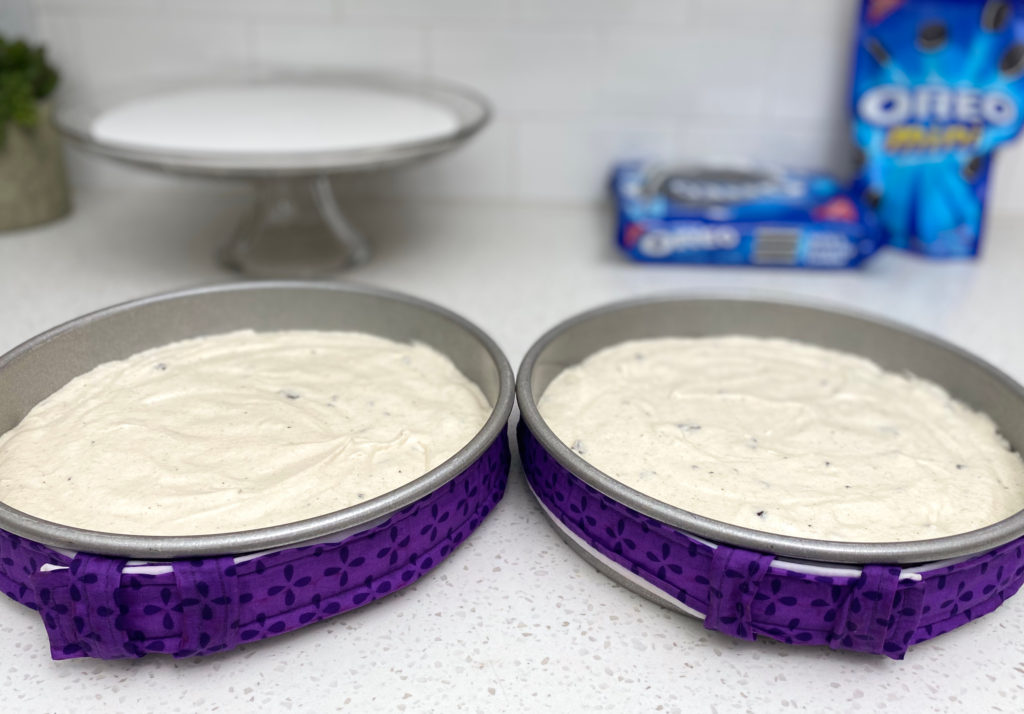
[
  {"x": 314, "y": 11},
  {"x": 812, "y": 66},
  {"x": 88, "y": 170},
  {"x": 99, "y": 7},
  {"x": 294, "y": 46},
  {"x": 648, "y": 73},
  {"x": 432, "y": 12},
  {"x": 570, "y": 161},
  {"x": 805, "y": 145},
  {"x": 610, "y": 13},
  {"x": 1006, "y": 180},
  {"x": 822, "y": 92},
  {"x": 62, "y": 39},
  {"x": 525, "y": 72},
  {"x": 832, "y": 19},
  {"x": 576, "y": 84},
  {"x": 116, "y": 50},
  {"x": 17, "y": 19},
  {"x": 730, "y": 142},
  {"x": 740, "y": 17},
  {"x": 686, "y": 72},
  {"x": 481, "y": 169},
  {"x": 239, "y": 9},
  {"x": 731, "y": 73}
]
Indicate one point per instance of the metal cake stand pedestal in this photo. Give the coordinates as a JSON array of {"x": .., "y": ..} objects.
[{"x": 295, "y": 226}]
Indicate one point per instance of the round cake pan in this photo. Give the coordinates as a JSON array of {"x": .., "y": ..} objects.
[
  {"x": 113, "y": 595},
  {"x": 746, "y": 582}
]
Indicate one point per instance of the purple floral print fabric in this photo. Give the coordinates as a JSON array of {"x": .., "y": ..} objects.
[
  {"x": 741, "y": 593},
  {"x": 91, "y": 608}
]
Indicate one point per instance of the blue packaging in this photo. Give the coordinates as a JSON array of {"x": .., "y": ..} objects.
[
  {"x": 938, "y": 85},
  {"x": 739, "y": 217}
]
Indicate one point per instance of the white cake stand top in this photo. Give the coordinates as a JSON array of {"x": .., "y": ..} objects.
[
  {"x": 287, "y": 135},
  {"x": 278, "y": 126}
]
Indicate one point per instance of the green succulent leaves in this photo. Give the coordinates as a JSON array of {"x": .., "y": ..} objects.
[{"x": 25, "y": 78}]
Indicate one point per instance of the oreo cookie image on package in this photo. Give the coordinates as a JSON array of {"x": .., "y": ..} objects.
[
  {"x": 937, "y": 86},
  {"x": 739, "y": 216}
]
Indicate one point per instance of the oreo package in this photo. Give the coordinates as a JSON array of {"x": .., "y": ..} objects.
[
  {"x": 739, "y": 216},
  {"x": 938, "y": 85}
]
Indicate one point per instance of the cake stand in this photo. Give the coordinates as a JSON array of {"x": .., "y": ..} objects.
[{"x": 287, "y": 136}]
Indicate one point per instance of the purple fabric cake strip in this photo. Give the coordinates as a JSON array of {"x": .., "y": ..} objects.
[
  {"x": 90, "y": 607},
  {"x": 735, "y": 576},
  {"x": 876, "y": 612},
  {"x": 91, "y": 590},
  {"x": 209, "y": 606}
]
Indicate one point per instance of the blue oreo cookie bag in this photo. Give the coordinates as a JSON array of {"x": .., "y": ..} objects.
[
  {"x": 739, "y": 216},
  {"x": 938, "y": 85}
]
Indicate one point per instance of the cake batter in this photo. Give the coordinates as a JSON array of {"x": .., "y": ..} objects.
[
  {"x": 237, "y": 431},
  {"x": 786, "y": 437}
]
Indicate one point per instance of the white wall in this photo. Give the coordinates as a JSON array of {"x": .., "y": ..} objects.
[
  {"x": 575, "y": 83},
  {"x": 17, "y": 19}
]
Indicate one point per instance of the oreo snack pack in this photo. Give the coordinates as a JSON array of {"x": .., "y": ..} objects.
[
  {"x": 938, "y": 85},
  {"x": 739, "y": 216}
]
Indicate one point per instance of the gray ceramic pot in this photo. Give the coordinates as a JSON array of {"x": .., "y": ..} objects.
[{"x": 33, "y": 183}]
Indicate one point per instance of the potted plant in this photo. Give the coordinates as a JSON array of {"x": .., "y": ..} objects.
[{"x": 33, "y": 186}]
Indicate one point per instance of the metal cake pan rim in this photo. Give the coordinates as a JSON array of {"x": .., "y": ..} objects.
[
  {"x": 158, "y": 547},
  {"x": 794, "y": 547}
]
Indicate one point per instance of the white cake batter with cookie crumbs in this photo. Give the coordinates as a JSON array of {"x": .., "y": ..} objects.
[
  {"x": 237, "y": 431},
  {"x": 787, "y": 438}
]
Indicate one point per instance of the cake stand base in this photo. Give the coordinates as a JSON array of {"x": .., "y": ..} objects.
[{"x": 294, "y": 229}]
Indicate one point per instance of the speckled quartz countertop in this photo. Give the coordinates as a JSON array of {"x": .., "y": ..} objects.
[{"x": 513, "y": 621}]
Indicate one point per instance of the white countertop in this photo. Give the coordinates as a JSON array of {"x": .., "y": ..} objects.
[{"x": 514, "y": 620}]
